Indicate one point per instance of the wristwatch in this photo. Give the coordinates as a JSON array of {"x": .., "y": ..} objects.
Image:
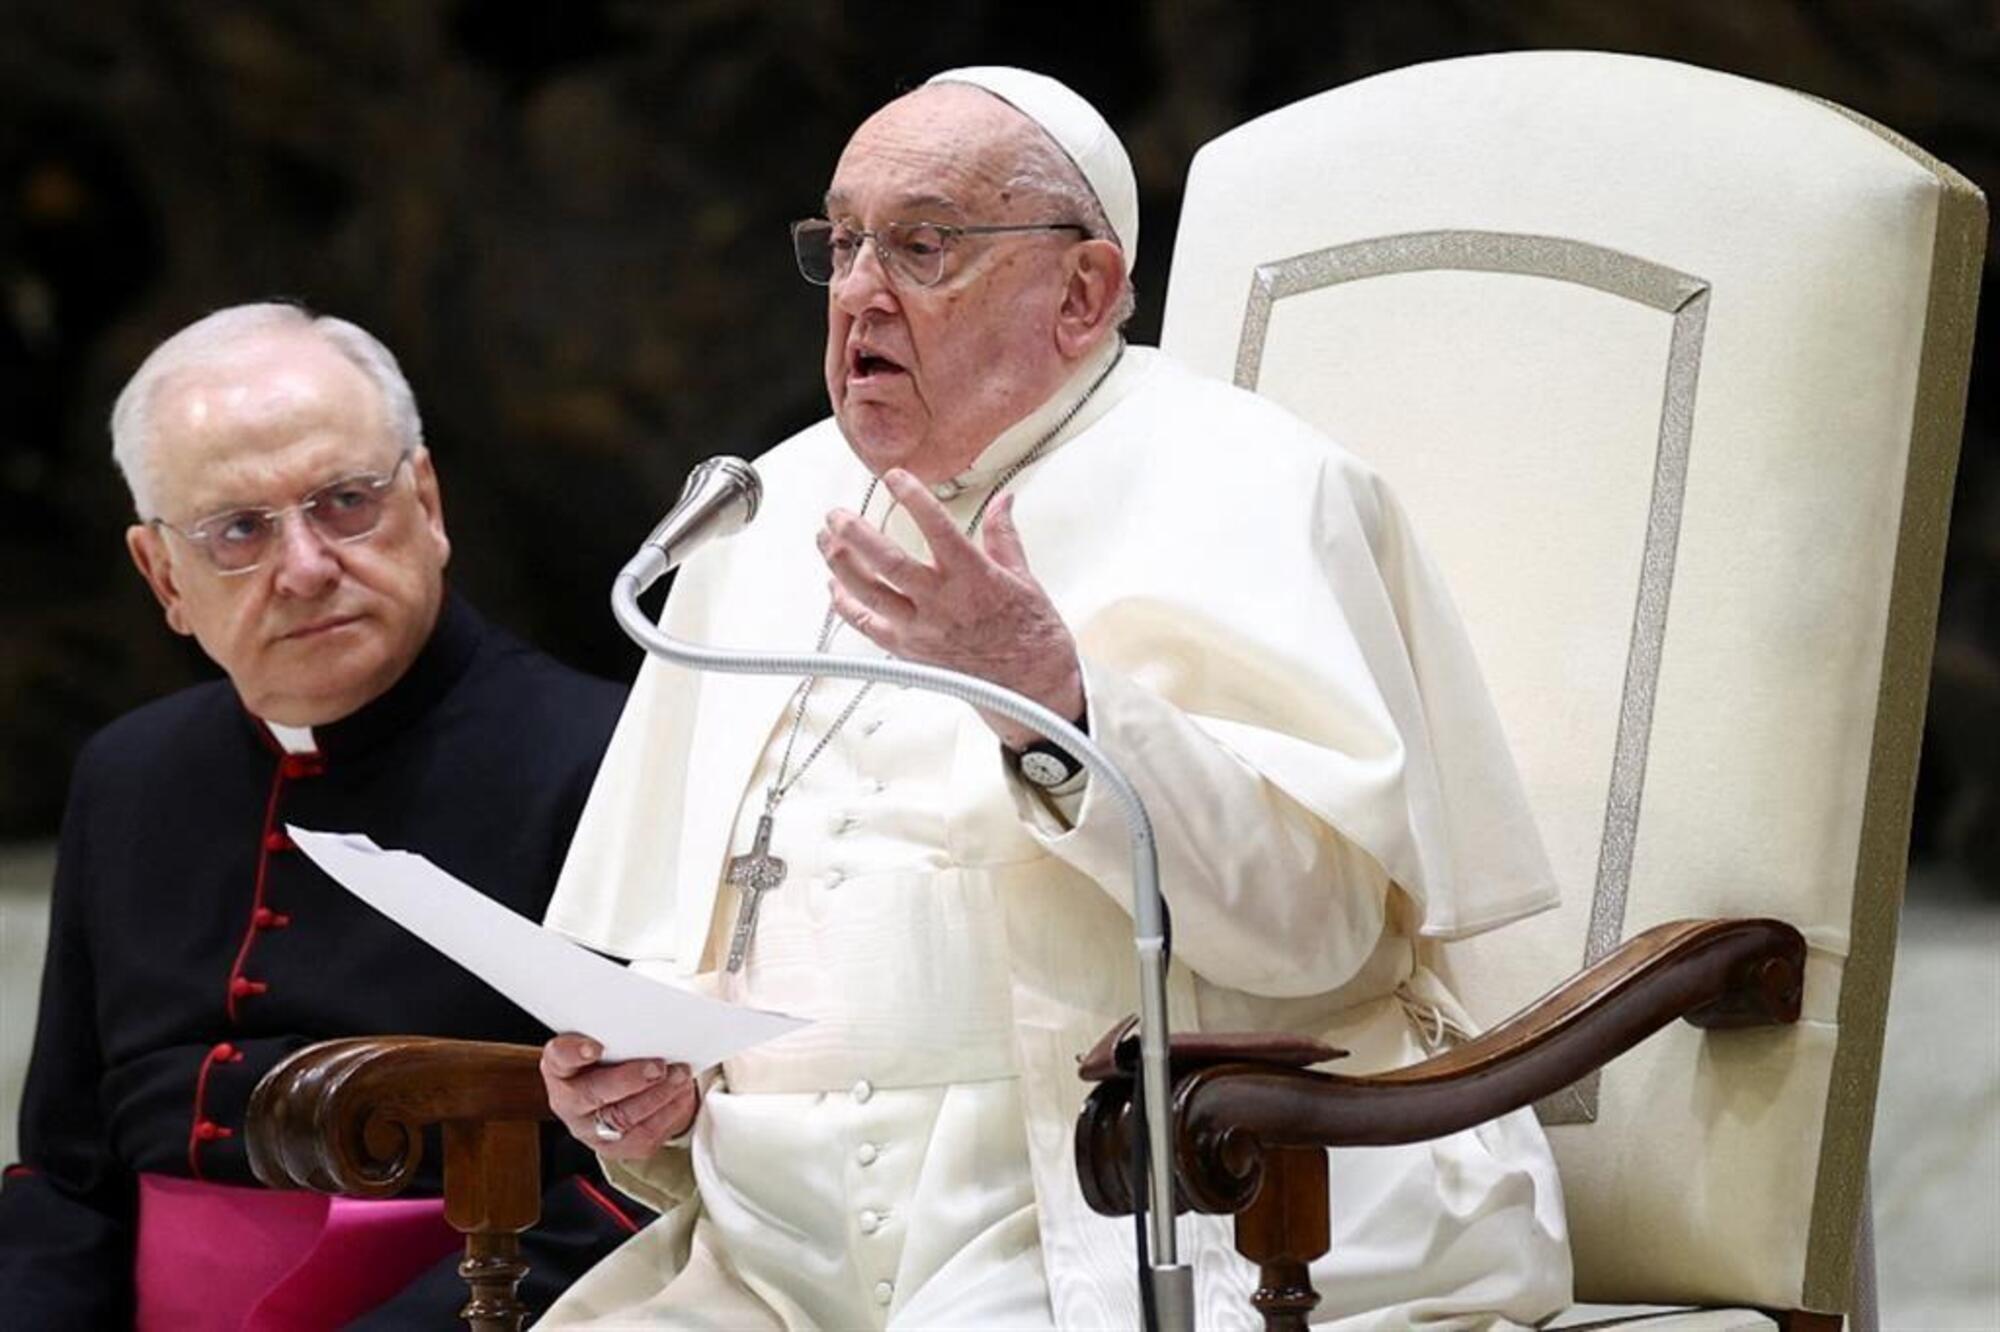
[{"x": 1046, "y": 764}]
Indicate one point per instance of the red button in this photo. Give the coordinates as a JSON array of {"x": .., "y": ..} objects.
[
  {"x": 295, "y": 766},
  {"x": 277, "y": 841},
  {"x": 224, "y": 1053},
  {"x": 243, "y": 985},
  {"x": 266, "y": 919},
  {"x": 208, "y": 1131}
]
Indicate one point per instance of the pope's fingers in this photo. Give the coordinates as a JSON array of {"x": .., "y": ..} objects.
[
  {"x": 867, "y": 550},
  {"x": 670, "y": 1118},
  {"x": 635, "y": 1110},
  {"x": 948, "y": 545},
  {"x": 875, "y": 628},
  {"x": 882, "y": 598},
  {"x": 1003, "y": 539},
  {"x": 606, "y": 1084},
  {"x": 641, "y": 1133},
  {"x": 567, "y": 1055}
]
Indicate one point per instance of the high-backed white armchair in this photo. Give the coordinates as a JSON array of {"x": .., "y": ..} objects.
[{"x": 1669, "y": 366}]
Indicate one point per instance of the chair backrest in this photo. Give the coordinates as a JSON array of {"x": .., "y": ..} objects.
[{"x": 1669, "y": 367}]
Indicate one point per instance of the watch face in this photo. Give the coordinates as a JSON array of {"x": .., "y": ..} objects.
[{"x": 1044, "y": 769}]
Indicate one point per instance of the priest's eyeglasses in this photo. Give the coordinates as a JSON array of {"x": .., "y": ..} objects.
[
  {"x": 913, "y": 252},
  {"x": 239, "y": 541}
]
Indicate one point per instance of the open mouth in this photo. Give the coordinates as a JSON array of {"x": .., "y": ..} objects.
[{"x": 865, "y": 363}]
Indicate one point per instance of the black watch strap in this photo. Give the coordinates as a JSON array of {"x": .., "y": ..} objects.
[{"x": 1046, "y": 764}]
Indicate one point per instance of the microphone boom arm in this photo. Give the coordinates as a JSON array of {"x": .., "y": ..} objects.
[{"x": 1172, "y": 1280}]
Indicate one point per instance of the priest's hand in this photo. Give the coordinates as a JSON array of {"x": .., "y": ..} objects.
[
  {"x": 975, "y": 607},
  {"x": 624, "y": 1111}
]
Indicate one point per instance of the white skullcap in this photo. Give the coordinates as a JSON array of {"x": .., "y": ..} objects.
[{"x": 1078, "y": 130}]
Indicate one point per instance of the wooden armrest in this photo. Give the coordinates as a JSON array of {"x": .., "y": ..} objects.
[
  {"x": 348, "y": 1116},
  {"x": 1116, "y": 1054},
  {"x": 1713, "y": 973}
]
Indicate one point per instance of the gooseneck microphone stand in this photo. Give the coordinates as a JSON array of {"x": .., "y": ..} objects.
[{"x": 720, "y": 497}]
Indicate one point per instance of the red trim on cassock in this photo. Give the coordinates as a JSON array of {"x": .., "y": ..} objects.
[
  {"x": 203, "y": 1129},
  {"x": 610, "y": 1208},
  {"x": 18, "y": 1172},
  {"x": 233, "y": 989}
]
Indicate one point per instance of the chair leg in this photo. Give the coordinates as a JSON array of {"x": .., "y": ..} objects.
[
  {"x": 1285, "y": 1227},
  {"x": 492, "y": 1192},
  {"x": 1798, "y": 1320},
  {"x": 493, "y": 1270}
]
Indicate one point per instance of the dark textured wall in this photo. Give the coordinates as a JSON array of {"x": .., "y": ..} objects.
[{"x": 568, "y": 220}]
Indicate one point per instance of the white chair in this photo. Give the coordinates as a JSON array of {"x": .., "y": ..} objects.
[{"x": 1670, "y": 368}]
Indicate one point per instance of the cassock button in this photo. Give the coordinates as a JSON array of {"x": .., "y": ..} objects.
[
  {"x": 243, "y": 986},
  {"x": 866, "y": 1153},
  {"x": 225, "y": 1053},
  {"x": 862, "y": 1091},
  {"x": 208, "y": 1131},
  {"x": 277, "y": 841},
  {"x": 266, "y": 919},
  {"x": 871, "y": 1221},
  {"x": 884, "y": 1292}
]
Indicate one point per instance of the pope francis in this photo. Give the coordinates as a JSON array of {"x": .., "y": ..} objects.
[{"x": 1229, "y": 604}]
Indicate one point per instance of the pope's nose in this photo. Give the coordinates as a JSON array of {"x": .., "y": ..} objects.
[{"x": 866, "y": 283}]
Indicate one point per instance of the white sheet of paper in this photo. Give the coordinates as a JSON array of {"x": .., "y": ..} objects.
[{"x": 558, "y": 981}]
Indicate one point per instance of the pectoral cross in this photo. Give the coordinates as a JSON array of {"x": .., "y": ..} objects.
[{"x": 753, "y": 875}]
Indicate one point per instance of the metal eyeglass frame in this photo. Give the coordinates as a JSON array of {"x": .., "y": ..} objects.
[
  {"x": 201, "y": 534},
  {"x": 898, "y": 264}
]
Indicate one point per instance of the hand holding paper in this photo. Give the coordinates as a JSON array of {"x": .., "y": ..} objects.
[{"x": 562, "y": 984}]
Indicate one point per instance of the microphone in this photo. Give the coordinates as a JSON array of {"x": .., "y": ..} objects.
[{"x": 719, "y": 499}]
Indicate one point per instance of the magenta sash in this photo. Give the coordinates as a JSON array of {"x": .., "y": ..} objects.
[{"x": 216, "y": 1256}]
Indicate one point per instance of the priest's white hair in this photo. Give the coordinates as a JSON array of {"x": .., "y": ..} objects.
[
  {"x": 210, "y": 340},
  {"x": 1045, "y": 169}
]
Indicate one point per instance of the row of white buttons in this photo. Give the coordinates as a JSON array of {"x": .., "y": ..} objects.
[{"x": 870, "y": 1219}]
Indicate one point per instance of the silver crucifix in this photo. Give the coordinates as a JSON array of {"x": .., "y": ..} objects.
[{"x": 754, "y": 875}]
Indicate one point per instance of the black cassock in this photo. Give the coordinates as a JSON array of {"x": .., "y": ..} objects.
[{"x": 191, "y": 947}]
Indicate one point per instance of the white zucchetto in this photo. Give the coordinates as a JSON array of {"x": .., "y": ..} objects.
[{"x": 1078, "y": 130}]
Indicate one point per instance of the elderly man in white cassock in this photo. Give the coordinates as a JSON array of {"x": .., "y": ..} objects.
[{"x": 1229, "y": 604}]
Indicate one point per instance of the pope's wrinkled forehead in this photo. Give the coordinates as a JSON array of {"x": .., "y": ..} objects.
[{"x": 947, "y": 150}]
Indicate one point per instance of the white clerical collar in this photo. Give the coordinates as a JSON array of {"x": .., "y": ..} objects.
[
  {"x": 293, "y": 739},
  {"x": 1012, "y": 443}
]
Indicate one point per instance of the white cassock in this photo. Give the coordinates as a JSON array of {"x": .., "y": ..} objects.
[{"x": 1274, "y": 663}]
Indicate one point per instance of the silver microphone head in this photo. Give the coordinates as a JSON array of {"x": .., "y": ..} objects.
[{"x": 719, "y": 499}]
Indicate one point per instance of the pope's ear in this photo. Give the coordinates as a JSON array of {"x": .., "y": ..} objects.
[
  {"x": 156, "y": 566},
  {"x": 1094, "y": 275}
]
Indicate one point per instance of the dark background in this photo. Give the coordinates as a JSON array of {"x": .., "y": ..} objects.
[{"x": 567, "y": 219}]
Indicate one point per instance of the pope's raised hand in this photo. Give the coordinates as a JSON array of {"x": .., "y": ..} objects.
[
  {"x": 624, "y": 1110},
  {"x": 973, "y": 607}
]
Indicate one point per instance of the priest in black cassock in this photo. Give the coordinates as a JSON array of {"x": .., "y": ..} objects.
[{"x": 289, "y": 521}]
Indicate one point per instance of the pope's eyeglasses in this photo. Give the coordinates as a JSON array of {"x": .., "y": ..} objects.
[
  {"x": 913, "y": 252},
  {"x": 239, "y": 541}
]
